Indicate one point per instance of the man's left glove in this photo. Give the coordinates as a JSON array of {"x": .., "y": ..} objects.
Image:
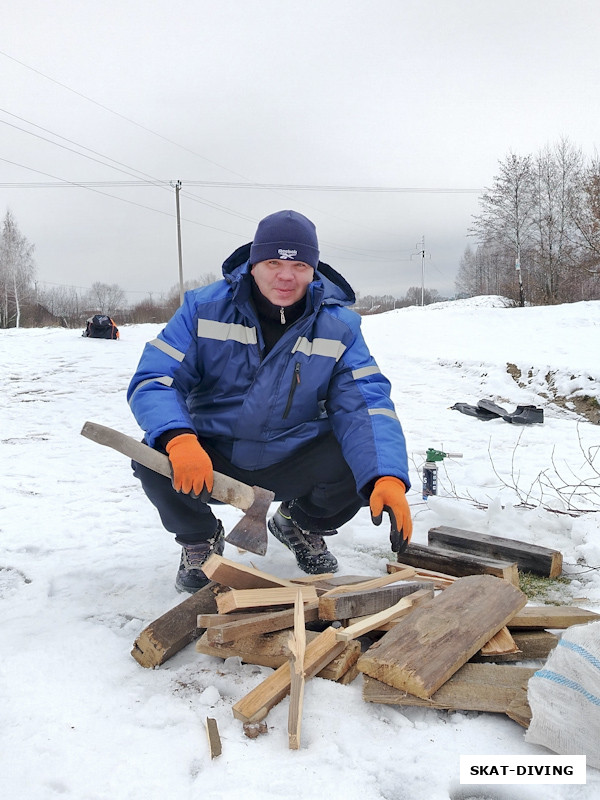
[
  {"x": 191, "y": 467},
  {"x": 389, "y": 494}
]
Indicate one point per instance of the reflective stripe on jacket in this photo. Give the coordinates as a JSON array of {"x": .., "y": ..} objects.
[{"x": 204, "y": 371}]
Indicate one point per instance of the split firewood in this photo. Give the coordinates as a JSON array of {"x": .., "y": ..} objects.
[
  {"x": 530, "y": 645},
  {"x": 370, "y": 623},
  {"x": 439, "y": 579},
  {"x": 237, "y": 576},
  {"x": 214, "y": 740},
  {"x": 529, "y": 557},
  {"x": 236, "y": 599},
  {"x": 372, "y": 583},
  {"x": 297, "y": 648},
  {"x": 272, "y": 650},
  {"x": 501, "y": 643},
  {"x": 256, "y": 704},
  {"x": 431, "y": 643},
  {"x": 252, "y": 624}
]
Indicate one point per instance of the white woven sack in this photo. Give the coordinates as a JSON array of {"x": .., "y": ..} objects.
[{"x": 564, "y": 696}]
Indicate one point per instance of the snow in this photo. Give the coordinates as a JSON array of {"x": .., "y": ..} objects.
[{"x": 85, "y": 565}]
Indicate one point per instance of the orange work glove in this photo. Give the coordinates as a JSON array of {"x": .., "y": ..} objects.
[
  {"x": 191, "y": 467},
  {"x": 389, "y": 495}
]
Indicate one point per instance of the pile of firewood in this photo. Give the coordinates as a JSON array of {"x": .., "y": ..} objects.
[{"x": 420, "y": 636}]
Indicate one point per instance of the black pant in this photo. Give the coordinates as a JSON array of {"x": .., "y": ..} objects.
[{"x": 316, "y": 477}]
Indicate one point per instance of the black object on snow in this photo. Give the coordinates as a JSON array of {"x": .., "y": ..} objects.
[{"x": 486, "y": 410}]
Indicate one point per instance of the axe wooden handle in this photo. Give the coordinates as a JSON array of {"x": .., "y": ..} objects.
[{"x": 225, "y": 489}]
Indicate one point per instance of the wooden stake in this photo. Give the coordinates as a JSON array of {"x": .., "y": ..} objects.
[
  {"x": 297, "y": 646},
  {"x": 371, "y": 623},
  {"x": 236, "y": 599},
  {"x": 373, "y": 583},
  {"x": 214, "y": 740}
]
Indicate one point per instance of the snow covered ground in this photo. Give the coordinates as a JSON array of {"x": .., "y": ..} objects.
[{"x": 85, "y": 566}]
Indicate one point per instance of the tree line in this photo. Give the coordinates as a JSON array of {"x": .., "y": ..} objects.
[{"x": 538, "y": 230}]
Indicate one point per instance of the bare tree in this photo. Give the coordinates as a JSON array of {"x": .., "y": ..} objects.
[
  {"x": 17, "y": 272},
  {"x": 508, "y": 210},
  {"x": 105, "y": 299}
]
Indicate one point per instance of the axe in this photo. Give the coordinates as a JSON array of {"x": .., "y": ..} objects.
[{"x": 250, "y": 533}]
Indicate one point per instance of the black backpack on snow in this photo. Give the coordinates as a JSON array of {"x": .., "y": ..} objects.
[{"x": 101, "y": 326}]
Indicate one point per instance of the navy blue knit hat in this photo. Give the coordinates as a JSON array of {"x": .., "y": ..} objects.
[{"x": 285, "y": 235}]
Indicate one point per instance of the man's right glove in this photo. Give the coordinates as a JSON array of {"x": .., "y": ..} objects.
[
  {"x": 191, "y": 467},
  {"x": 389, "y": 494}
]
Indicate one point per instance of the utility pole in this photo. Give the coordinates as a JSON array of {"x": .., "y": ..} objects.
[
  {"x": 420, "y": 248},
  {"x": 177, "y": 190}
]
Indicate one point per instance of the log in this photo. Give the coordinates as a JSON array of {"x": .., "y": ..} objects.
[
  {"x": 556, "y": 617},
  {"x": 366, "y": 624},
  {"x": 237, "y": 576},
  {"x": 271, "y": 650},
  {"x": 457, "y": 564},
  {"x": 429, "y": 645},
  {"x": 474, "y": 687},
  {"x": 253, "y": 624},
  {"x": 529, "y": 557},
  {"x": 362, "y": 603},
  {"x": 256, "y": 704},
  {"x": 236, "y": 599},
  {"x": 175, "y": 629}
]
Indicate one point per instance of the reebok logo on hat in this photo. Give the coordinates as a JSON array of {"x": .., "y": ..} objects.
[{"x": 287, "y": 253}]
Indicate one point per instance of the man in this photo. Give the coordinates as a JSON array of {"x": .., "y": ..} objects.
[{"x": 265, "y": 376}]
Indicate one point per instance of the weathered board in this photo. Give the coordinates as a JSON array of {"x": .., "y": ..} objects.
[
  {"x": 429, "y": 645},
  {"x": 370, "y": 601},
  {"x": 458, "y": 564},
  {"x": 475, "y": 687},
  {"x": 251, "y": 624},
  {"x": 529, "y": 557},
  {"x": 530, "y": 644},
  {"x": 175, "y": 629}
]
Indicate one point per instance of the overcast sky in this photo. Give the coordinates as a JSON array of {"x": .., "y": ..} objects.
[{"x": 410, "y": 95}]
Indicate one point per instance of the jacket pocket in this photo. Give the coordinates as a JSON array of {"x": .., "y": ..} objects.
[{"x": 294, "y": 384}]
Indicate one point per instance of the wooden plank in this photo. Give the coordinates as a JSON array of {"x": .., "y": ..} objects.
[
  {"x": 214, "y": 740},
  {"x": 175, "y": 629},
  {"x": 362, "y": 603},
  {"x": 271, "y": 650},
  {"x": 459, "y": 564},
  {"x": 236, "y": 599},
  {"x": 372, "y": 583},
  {"x": 256, "y": 704},
  {"x": 429, "y": 645},
  {"x": 237, "y": 576},
  {"x": 438, "y": 579},
  {"x": 519, "y": 709},
  {"x": 250, "y": 624},
  {"x": 529, "y": 557},
  {"x": 474, "y": 687},
  {"x": 371, "y": 622},
  {"x": 215, "y": 620},
  {"x": 297, "y": 647},
  {"x": 553, "y": 617}
]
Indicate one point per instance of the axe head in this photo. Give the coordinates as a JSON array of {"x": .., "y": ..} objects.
[{"x": 251, "y": 533}]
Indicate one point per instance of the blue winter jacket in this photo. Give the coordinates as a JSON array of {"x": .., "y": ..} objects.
[{"x": 204, "y": 371}]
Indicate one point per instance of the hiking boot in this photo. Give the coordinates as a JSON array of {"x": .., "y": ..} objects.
[
  {"x": 309, "y": 547},
  {"x": 189, "y": 576}
]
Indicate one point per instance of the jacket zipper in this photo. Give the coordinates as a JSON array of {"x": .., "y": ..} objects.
[{"x": 295, "y": 382}]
